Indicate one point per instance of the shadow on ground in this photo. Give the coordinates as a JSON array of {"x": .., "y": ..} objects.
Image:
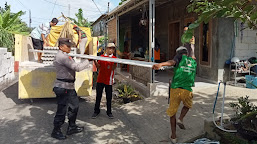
[{"x": 26, "y": 122}]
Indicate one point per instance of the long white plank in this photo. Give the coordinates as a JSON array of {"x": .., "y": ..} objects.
[{"x": 116, "y": 60}]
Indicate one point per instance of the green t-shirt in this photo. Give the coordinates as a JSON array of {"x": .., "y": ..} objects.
[{"x": 184, "y": 73}]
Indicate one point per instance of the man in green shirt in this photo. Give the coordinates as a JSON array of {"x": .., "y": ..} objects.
[{"x": 180, "y": 90}]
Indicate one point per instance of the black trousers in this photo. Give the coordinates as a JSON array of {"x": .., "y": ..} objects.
[
  {"x": 37, "y": 44},
  {"x": 99, "y": 94},
  {"x": 66, "y": 98}
]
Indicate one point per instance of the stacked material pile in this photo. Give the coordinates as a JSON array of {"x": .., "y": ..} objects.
[{"x": 48, "y": 58}]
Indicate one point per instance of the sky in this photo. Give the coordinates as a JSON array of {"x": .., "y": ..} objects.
[{"x": 44, "y": 10}]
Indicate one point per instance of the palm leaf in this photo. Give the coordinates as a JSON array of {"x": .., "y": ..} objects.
[
  {"x": 16, "y": 27},
  {"x": 13, "y": 19},
  {"x": 1, "y": 21},
  {"x": 6, "y": 17}
]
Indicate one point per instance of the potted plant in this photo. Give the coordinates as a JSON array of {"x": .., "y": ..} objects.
[
  {"x": 127, "y": 93},
  {"x": 245, "y": 119}
]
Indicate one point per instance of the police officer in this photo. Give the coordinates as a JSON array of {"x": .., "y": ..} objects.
[{"x": 64, "y": 89}]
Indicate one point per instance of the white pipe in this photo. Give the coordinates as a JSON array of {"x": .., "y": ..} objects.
[
  {"x": 222, "y": 107},
  {"x": 116, "y": 60},
  {"x": 222, "y": 111},
  {"x": 221, "y": 128}
]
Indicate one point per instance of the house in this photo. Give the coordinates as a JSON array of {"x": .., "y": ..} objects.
[
  {"x": 98, "y": 26},
  {"x": 139, "y": 21}
]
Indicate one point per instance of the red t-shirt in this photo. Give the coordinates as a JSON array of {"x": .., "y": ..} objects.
[{"x": 106, "y": 73}]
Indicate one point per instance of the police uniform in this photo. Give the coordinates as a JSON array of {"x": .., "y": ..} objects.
[{"x": 64, "y": 89}]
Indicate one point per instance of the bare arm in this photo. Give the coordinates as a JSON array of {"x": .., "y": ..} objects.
[
  {"x": 76, "y": 66},
  {"x": 79, "y": 36},
  {"x": 97, "y": 64},
  {"x": 167, "y": 63},
  {"x": 43, "y": 38}
]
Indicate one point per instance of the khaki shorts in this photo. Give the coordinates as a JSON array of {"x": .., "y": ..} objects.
[{"x": 176, "y": 96}]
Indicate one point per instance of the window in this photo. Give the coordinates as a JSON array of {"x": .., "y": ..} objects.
[{"x": 205, "y": 44}]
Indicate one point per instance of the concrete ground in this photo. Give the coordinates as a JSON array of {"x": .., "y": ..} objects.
[{"x": 142, "y": 121}]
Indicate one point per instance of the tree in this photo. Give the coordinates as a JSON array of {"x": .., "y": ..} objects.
[
  {"x": 244, "y": 10},
  {"x": 10, "y": 23},
  {"x": 81, "y": 21}
]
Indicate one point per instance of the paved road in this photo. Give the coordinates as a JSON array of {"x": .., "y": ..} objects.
[{"x": 143, "y": 121}]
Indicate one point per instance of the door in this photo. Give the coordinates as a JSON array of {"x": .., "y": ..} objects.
[{"x": 173, "y": 38}]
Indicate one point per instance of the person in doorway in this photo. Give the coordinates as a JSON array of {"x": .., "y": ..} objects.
[
  {"x": 180, "y": 90},
  {"x": 39, "y": 34},
  {"x": 126, "y": 53},
  {"x": 82, "y": 39},
  {"x": 64, "y": 89},
  {"x": 105, "y": 80},
  {"x": 191, "y": 45},
  {"x": 157, "y": 51}
]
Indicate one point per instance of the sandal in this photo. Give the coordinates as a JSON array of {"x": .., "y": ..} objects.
[
  {"x": 173, "y": 141},
  {"x": 180, "y": 124}
]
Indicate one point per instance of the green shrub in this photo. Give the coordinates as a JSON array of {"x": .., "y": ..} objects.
[
  {"x": 243, "y": 107},
  {"x": 7, "y": 40}
]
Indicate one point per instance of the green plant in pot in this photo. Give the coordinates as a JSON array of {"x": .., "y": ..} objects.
[
  {"x": 245, "y": 119},
  {"x": 127, "y": 93}
]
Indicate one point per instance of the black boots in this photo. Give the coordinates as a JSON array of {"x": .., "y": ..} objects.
[
  {"x": 74, "y": 129},
  {"x": 57, "y": 133}
]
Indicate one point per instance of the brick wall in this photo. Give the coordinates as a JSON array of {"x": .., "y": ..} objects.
[
  {"x": 6, "y": 65},
  {"x": 112, "y": 30},
  {"x": 246, "y": 43}
]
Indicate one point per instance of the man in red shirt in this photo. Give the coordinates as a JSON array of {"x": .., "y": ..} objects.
[{"x": 105, "y": 80}]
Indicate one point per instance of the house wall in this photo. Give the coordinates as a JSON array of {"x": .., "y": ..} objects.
[
  {"x": 224, "y": 42},
  {"x": 221, "y": 38},
  {"x": 166, "y": 14},
  {"x": 112, "y": 30},
  {"x": 246, "y": 42},
  {"x": 98, "y": 29}
]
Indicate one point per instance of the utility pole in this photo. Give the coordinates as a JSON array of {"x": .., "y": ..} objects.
[
  {"x": 108, "y": 7},
  {"x": 30, "y": 21},
  {"x": 105, "y": 27},
  {"x": 69, "y": 10}
]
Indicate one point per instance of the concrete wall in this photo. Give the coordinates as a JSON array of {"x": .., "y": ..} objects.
[
  {"x": 6, "y": 65},
  {"x": 224, "y": 38},
  {"x": 246, "y": 42},
  {"x": 37, "y": 80},
  {"x": 22, "y": 46}
]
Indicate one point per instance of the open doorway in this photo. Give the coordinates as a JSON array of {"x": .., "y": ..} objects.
[{"x": 173, "y": 38}]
